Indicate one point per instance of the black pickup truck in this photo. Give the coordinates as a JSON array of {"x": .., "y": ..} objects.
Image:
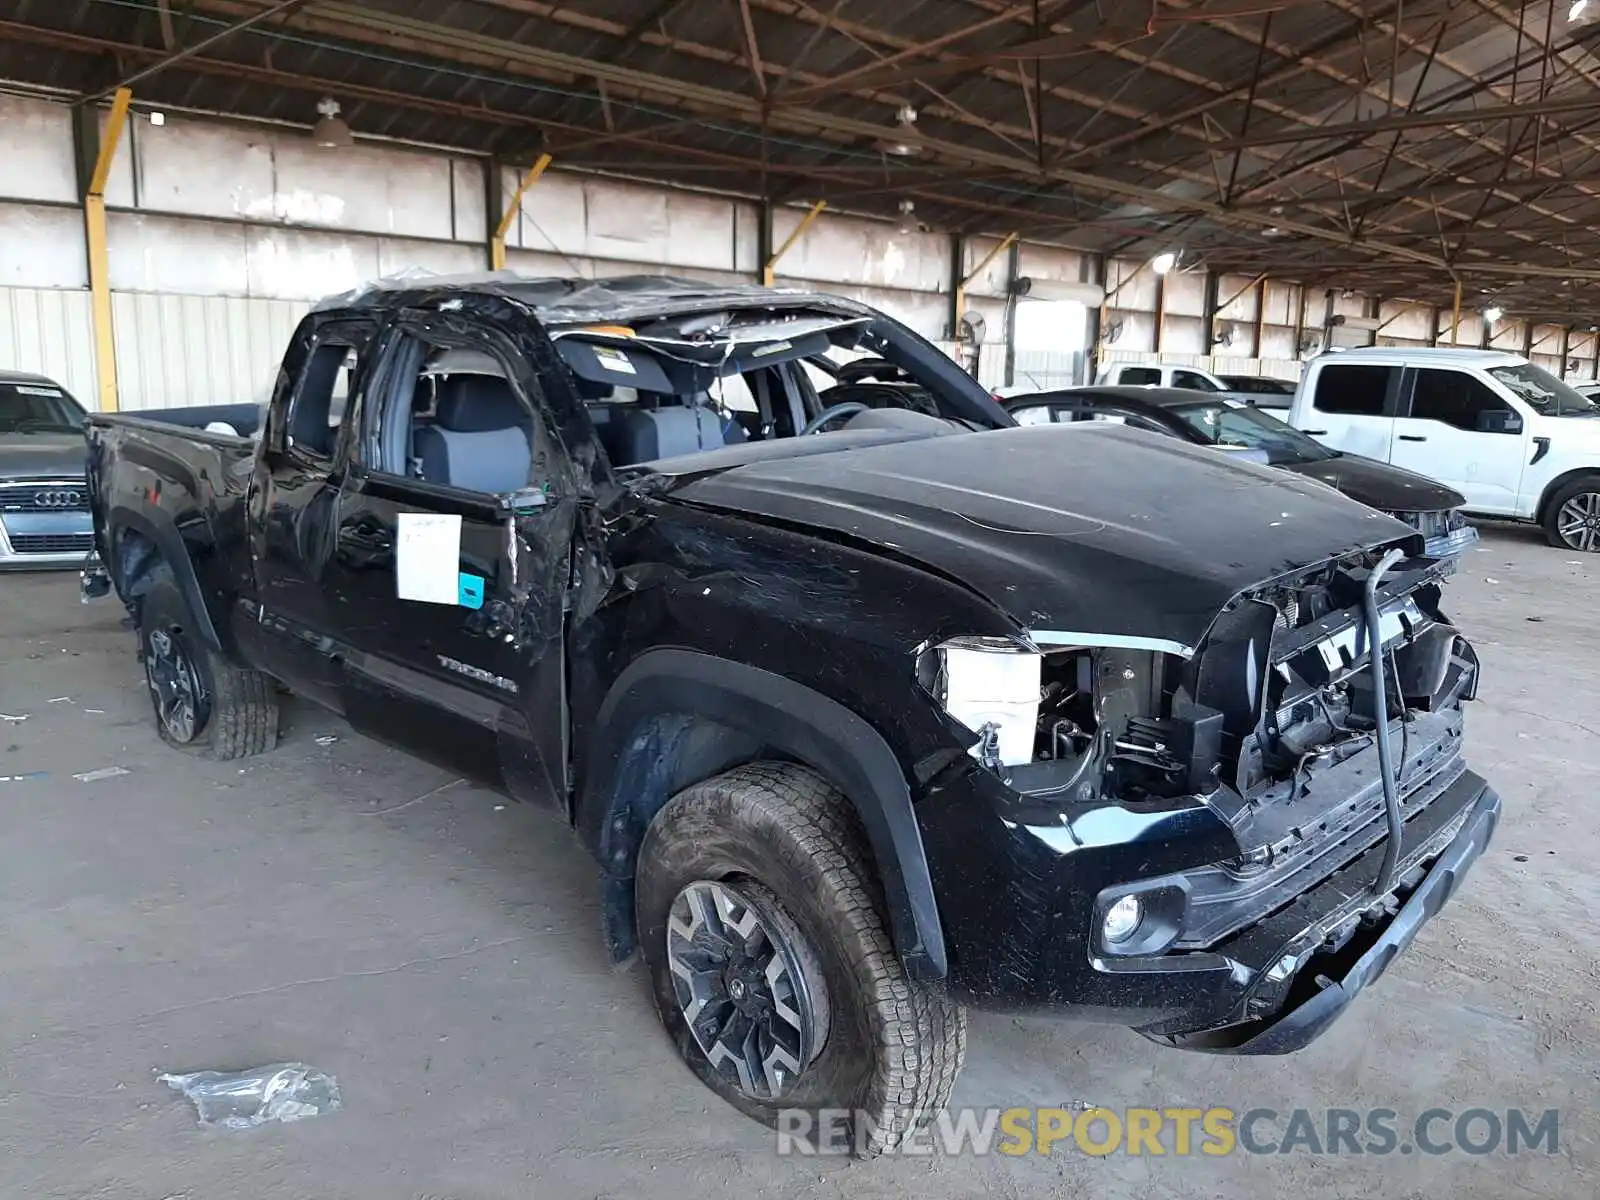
[{"x": 868, "y": 711}]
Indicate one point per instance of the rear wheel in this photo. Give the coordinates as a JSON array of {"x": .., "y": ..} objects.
[
  {"x": 201, "y": 700},
  {"x": 761, "y": 919},
  {"x": 1572, "y": 518}
]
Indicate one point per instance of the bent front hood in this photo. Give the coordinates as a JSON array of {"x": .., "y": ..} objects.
[
  {"x": 1097, "y": 529},
  {"x": 1393, "y": 489}
]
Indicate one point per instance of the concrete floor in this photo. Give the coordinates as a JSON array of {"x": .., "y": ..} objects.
[{"x": 437, "y": 950}]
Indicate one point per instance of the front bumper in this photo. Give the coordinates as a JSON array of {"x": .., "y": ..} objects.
[
  {"x": 1314, "y": 980},
  {"x": 1017, "y": 895},
  {"x": 1453, "y": 544},
  {"x": 45, "y": 540}
]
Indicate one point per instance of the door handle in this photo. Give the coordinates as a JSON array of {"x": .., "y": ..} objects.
[
  {"x": 1412, "y": 437},
  {"x": 1315, "y": 432}
]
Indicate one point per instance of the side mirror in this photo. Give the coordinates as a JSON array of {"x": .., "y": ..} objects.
[{"x": 1499, "y": 421}]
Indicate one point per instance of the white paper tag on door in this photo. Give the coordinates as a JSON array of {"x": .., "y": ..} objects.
[{"x": 427, "y": 560}]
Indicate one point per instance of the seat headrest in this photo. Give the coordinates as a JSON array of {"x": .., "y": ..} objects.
[{"x": 478, "y": 404}]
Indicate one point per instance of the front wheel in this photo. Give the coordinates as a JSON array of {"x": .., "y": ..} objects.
[
  {"x": 761, "y": 919},
  {"x": 201, "y": 700},
  {"x": 1572, "y": 520}
]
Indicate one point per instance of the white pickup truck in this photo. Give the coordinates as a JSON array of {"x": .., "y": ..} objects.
[
  {"x": 1189, "y": 379},
  {"x": 1508, "y": 435}
]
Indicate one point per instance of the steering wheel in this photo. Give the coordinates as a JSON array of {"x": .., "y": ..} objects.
[{"x": 833, "y": 413}]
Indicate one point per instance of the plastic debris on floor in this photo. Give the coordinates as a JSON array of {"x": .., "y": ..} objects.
[
  {"x": 102, "y": 773},
  {"x": 245, "y": 1099}
]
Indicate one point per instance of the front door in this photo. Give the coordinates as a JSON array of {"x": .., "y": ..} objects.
[
  {"x": 1456, "y": 429},
  {"x": 451, "y": 558},
  {"x": 293, "y": 497},
  {"x": 1352, "y": 408}
]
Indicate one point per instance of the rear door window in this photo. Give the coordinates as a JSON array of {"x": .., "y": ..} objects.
[
  {"x": 324, "y": 388},
  {"x": 1139, "y": 376},
  {"x": 1360, "y": 391}
]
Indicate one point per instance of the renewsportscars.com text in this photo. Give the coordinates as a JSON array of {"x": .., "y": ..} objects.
[{"x": 1210, "y": 1132}]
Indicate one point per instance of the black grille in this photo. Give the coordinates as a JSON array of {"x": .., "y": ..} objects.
[
  {"x": 55, "y": 496},
  {"x": 51, "y": 543}
]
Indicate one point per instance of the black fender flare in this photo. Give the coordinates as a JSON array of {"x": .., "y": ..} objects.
[
  {"x": 641, "y": 747},
  {"x": 162, "y": 532}
]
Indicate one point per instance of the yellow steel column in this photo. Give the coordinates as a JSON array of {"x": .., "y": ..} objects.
[
  {"x": 1455, "y": 318},
  {"x": 960, "y": 301},
  {"x": 497, "y": 244},
  {"x": 94, "y": 228},
  {"x": 769, "y": 268}
]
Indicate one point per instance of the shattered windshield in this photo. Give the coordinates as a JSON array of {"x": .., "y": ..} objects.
[
  {"x": 1251, "y": 429},
  {"x": 1547, "y": 394},
  {"x": 37, "y": 408}
]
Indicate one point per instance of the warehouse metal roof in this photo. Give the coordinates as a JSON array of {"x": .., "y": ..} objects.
[{"x": 1398, "y": 146}]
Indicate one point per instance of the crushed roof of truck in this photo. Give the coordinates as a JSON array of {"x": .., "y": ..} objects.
[{"x": 568, "y": 301}]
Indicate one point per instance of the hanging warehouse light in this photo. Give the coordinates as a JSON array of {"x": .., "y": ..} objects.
[{"x": 330, "y": 132}]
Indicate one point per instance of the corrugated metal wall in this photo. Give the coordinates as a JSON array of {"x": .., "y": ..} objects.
[
  {"x": 221, "y": 234},
  {"x": 184, "y": 350},
  {"x": 49, "y": 331}
]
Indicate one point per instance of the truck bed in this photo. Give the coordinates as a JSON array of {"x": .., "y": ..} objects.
[{"x": 159, "y": 485}]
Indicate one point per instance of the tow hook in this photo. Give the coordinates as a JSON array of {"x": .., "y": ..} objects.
[{"x": 93, "y": 583}]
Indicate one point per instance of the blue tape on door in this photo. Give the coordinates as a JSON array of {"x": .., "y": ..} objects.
[{"x": 470, "y": 594}]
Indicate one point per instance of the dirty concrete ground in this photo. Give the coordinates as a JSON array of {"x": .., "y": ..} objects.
[{"x": 436, "y": 948}]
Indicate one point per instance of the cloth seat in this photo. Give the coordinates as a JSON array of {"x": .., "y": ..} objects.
[
  {"x": 644, "y": 435},
  {"x": 480, "y": 438}
]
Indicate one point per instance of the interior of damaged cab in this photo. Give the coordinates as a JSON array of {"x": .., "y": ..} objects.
[{"x": 677, "y": 386}]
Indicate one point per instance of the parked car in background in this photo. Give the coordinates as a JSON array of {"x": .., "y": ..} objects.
[
  {"x": 1189, "y": 379},
  {"x": 44, "y": 502},
  {"x": 1264, "y": 391},
  {"x": 1429, "y": 507},
  {"x": 1508, "y": 435},
  {"x": 1159, "y": 375}
]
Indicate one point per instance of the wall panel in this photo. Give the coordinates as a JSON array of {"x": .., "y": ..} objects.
[{"x": 48, "y": 331}]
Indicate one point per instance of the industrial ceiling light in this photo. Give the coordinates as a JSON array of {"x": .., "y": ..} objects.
[
  {"x": 158, "y": 118},
  {"x": 330, "y": 132},
  {"x": 908, "y": 217},
  {"x": 906, "y": 143},
  {"x": 1578, "y": 9},
  {"x": 1164, "y": 262},
  {"x": 1493, "y": 313}
]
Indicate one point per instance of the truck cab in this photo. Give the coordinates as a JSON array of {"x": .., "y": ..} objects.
[{"x": 1513, "y": 439}]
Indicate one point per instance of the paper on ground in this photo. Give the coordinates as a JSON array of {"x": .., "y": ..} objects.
[{"x": 427, "y": 562}]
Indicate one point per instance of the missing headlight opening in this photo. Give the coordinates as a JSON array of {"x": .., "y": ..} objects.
[{"x": 1280, "y": 689}]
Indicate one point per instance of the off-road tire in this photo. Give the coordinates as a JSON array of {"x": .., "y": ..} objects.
[
  {"x": 894, "y": 1045},
  {"x": 238, "y": 713},
  {"x": 1552, "y": 510}
]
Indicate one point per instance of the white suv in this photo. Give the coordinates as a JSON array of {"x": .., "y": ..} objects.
[{"x": 1509, "y": 436}]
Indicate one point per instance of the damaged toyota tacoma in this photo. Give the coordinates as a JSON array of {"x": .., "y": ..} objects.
[{"x": 869, "y": 711}]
